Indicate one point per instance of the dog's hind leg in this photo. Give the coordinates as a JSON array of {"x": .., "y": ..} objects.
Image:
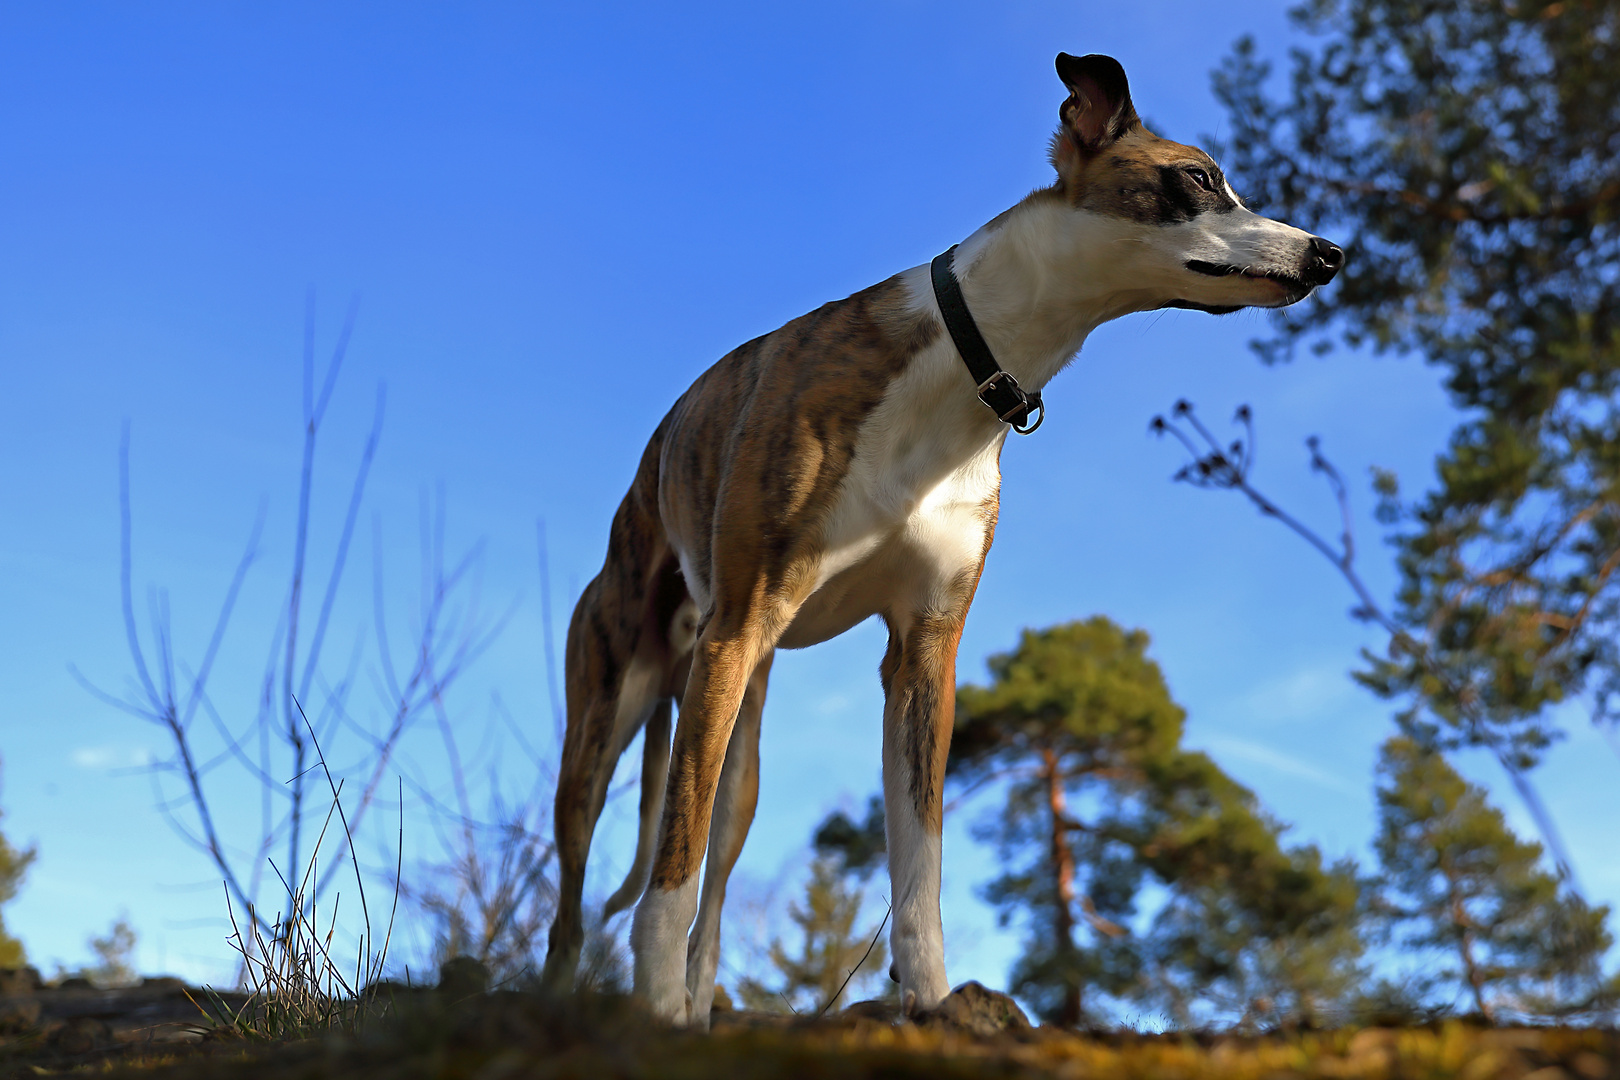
[
  {"x": 619, "y": 668},
  {"x": 734, "y": 803},
  {"x": 655, "y": 762},
  {"x": 612, "y": 693},
  {"x": 619, "y": 665},
  {"x": 654, "y": 774}
]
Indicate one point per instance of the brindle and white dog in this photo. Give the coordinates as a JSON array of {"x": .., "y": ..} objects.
[{"x": 843, "y": 467}]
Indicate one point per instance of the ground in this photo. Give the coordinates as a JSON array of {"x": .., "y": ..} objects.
[{"x": 155, "y": 1031}]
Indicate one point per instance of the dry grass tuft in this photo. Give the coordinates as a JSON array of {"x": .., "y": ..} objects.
[{"x": 296, "y": 987}]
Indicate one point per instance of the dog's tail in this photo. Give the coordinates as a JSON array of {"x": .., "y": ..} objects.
[{"x": 654, "y": 775}]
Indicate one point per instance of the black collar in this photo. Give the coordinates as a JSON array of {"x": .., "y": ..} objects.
[{"x": 997, "y": 389}]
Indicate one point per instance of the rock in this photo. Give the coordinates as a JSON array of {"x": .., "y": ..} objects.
[
  {"x": 18, "y": 1013},
  {"x": 19, "y": 1007},
  {"x": 1590, "y": 1066},
  {"x": 1373, "y": 1048},
  {"x": 81, "y": 1035},
  {"x": 18, "y": 981},
  {"x": 887, "y": 1010},
  {"x": 388, "y": 989},
  {"x": 167, "y": 984},
  {"x": 975, "y": 1008},
  {"x": 463, "y": 977}
]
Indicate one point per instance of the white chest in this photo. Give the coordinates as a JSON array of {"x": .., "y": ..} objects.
[{"x": 911, "y": 514}]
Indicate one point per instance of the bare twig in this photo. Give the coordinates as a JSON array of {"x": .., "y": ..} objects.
[
  {"x": 493, "y": 899},
  {"x": 496, "y": 877},
  {"x": 1228, "y": 468},
  {"x": 887, "y": 909},
  {"x": 356, "y": 496},
  {"x": 273, "y": 743},
  {"x": 547, "y": 639},
  {"x": 337, "y": 802}
]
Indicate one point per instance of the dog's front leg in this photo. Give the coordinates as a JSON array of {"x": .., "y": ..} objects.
[
  {"x": 721, "y": 666},
  {"x": 919, "y": 681}
]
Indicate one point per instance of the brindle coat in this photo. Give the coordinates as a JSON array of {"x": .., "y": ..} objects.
[
  {"x": 841, "y": 467},
  {"x": 744, "y": 467}
]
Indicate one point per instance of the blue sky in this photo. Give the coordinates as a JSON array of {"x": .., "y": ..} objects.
[{"x": 554, "y": 217}]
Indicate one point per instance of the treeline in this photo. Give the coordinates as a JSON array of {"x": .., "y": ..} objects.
[{"x": 1144, "y": 879}]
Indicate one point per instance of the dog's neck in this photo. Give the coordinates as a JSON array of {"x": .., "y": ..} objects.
[{"x": 1038, "y": 281}]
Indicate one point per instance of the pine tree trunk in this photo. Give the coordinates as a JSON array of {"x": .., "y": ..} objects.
[
  {"x": 1063, "y": 873},
  {"x": 1465, "y": 945}
]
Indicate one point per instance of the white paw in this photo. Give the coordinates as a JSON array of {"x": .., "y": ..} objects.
[
  {"x": 700, "y": 1004},
  {"x": 920, "y": 995},
  {"x": 658, "y": 939},
  {"x": 673, "y": 1008}
]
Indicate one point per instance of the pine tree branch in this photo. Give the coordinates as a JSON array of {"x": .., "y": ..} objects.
[{"x": 1229, "y": 468}]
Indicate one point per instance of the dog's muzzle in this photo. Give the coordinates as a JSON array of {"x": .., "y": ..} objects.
[{"x": 1323, "y": 262}]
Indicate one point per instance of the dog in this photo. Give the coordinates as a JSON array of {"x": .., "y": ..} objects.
[{"x": 846, "y": 466}]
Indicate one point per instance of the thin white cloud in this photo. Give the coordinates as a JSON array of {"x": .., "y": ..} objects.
[
  {"x": 1303, "y": 694},
  {"x": 103, "y": 758},
  {"x": 1269, "y": 757},
  {"x": 832, "y": 704}
]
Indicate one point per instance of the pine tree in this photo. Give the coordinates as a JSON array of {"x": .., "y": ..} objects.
[
  {"x": 115, "y": 957},
  {"x": 860, "y": 848},
  {"x": 1101, "y": 799},
  {"x": 1464, "y": 156},
  {"x": 1254, "y": 932},
  {"x": 13, "y": 867},
  {"x": 1459, "y": 883},
  {"x": 832, "y": 953},
  {"x": 1074, "y": 715}
]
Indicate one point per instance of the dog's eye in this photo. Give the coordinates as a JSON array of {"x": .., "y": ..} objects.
[{"x": 1201, "y": 178}]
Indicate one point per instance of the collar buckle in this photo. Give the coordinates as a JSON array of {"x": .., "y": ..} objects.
[{"x": 1011, "y": 402}]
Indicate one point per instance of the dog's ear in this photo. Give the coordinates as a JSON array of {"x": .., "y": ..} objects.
[{"x": 1098, "y": 109}]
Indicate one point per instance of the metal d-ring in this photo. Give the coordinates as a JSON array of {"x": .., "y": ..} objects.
[{"x": 1039, "y": 408}]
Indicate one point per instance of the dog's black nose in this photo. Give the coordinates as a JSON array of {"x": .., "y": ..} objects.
[{"x": 1323, "y": 262}]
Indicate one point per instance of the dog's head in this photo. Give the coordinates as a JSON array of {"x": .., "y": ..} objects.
[{"x": 1185, "y": 235}]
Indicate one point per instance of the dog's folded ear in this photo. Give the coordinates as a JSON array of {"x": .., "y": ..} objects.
[{"x": 1098, "y": 109}]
